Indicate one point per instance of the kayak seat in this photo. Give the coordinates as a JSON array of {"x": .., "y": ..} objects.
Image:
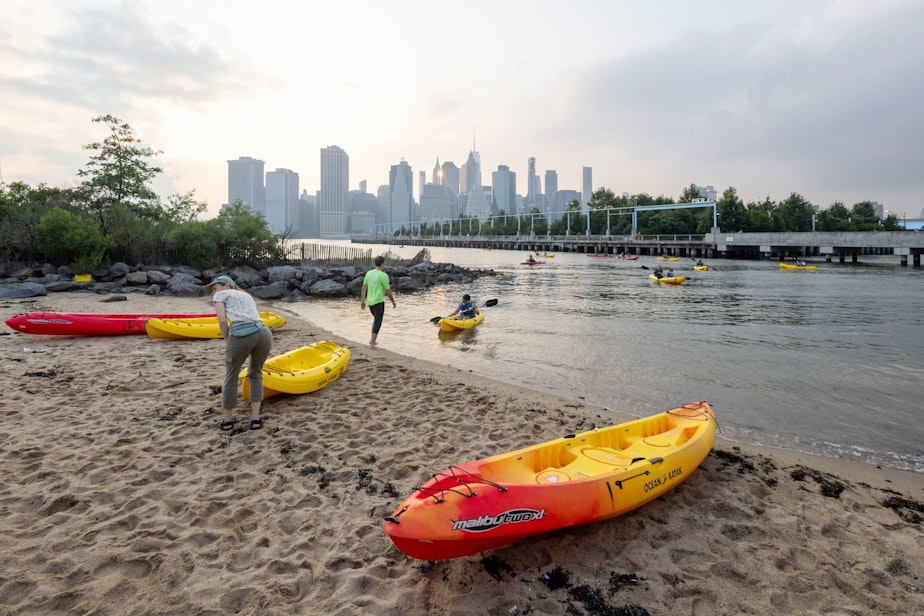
[
  {"x": 552, "y": 476},
  {"x": 608, "y": 456}
]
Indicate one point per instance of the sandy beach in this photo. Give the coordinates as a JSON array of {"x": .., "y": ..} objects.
[{"x": 119, "y": 495}]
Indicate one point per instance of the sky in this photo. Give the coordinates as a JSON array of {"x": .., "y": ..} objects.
[{"x": 818, "y": 97}]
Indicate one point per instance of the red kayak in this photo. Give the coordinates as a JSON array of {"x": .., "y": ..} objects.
[
  {"x": 628, "y": 258},
  {"x": 89, "y": 324},
  {"x": 533, "y": 262}
]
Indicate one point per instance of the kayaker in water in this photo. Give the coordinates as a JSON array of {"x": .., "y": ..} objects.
[
  {"x": 670, "y": 273},
  {"x": 699, "y": 263},
  {"x": 467, "y": 308},
  {"x": 530, "y": 260},
  {"x": 659, "y": 272}
]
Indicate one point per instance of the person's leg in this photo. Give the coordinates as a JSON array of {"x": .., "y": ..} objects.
[
  {"x": 258, "y": 355},
  {"x": 378, "y": 312},
  {"x": 236, "y": 350}
]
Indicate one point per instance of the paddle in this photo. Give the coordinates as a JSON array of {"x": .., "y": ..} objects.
[{"x": 490, "y": 302}]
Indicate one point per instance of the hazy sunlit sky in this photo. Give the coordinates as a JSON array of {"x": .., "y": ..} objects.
[{"x": 819, "y": 97}]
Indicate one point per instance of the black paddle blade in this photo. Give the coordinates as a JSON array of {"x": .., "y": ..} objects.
[
  {"x": 643, "y": 267},
  {"x": 491, "y": 302},
  {"x": 435, "y": 320}
]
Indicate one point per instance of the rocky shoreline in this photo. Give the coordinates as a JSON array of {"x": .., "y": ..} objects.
[{"x": 283, "y": 282}]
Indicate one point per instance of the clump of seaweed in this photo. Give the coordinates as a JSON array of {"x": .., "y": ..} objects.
[
  {"x": 907, "y": 509},
  {"x": 828, "y": 485}
]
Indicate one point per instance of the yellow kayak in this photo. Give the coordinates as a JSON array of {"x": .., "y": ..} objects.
[
  {"x": 453, "y": 323},
  {"x": 796, "y": 267},
  {"x": 668, "y": 258},
  {"x": 578, "y": 479},
  {"x": 701, "y": 268},
  {"x": 668, "y": 279},
  {"x": 205, "y": 327},
  {"x": 301, "y": 371}
]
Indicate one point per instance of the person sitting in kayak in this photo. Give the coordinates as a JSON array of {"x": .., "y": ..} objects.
[
  {"x": 659, "y": 272},
  {"x": 530, "y": 260},
  {"x": 670, "y": 273},
  {"x": 467, "y": 308},
  {"x": 699, "y": 263}
]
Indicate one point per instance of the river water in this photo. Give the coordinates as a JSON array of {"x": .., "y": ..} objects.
[{"x": 829, "y": 362}]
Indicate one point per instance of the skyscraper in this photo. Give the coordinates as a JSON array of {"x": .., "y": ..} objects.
[
  {"x": 471, "y": 172},
  {"x": 532, "y": 194},
  {"x": 401, "y": 190},
  {"x": 245, "y": 183},
  {"x": 282, "y": 211},
  {"x": 450, "y": 176},
  {"x": 587, "y": 189},
  {"x": 504, "y": 190},
  {"x": 551, "y": 187},
  {"x": 335, "y": 191}
]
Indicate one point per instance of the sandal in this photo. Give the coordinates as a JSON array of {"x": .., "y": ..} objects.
[
  {"x": 256, "y": 424},
  {"x": 227, "y": 425}
]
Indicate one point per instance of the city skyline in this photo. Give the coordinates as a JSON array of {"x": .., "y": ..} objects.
[{"x": 815, "y": 97}]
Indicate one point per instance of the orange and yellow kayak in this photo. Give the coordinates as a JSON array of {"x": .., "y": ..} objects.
[{"x": 571, "y": 481}]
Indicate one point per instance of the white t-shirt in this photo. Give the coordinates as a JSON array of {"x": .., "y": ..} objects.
[{"x": 239, "y": 306}]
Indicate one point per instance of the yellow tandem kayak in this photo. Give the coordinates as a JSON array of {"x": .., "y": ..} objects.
[
  {"x": 205, "y": 327},
  {"x": 668, "y": 279},
  {"x": 579, "y": 479}
]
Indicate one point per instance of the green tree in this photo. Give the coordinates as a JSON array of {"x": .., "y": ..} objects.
[
  {"x": 118, "y": 176},
  {"x": 835, "y": 218},
  {"x": 732, "y": 213},
  {"x": 243, "y": 236},
  {"x": 760, "y": 217},
  {"x": 796, "y": 212},
  {"x": 863, "y": 216},
  {"x": 67, "y": 238}
]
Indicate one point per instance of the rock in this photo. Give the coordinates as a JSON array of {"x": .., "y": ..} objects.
[
  {"x": 280, "y": 273},
  {"x": 21, "y": 289},
  {"x": 327, "y": 288},
  {"x": 271, "y": 291},
  {"x": 136, "y": 278}
]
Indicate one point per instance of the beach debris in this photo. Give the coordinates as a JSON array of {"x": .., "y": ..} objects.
[
  {"x": 30, "y": 350},
  {"x": 496, "y": 567},
  {"x": 829, "y": 485},
  {"x": 44, "y": 373},
  {"x": 907, "y": 509}
]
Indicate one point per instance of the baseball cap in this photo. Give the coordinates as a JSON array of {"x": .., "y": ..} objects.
[
  {"x": 222, "y": 280},
  {"x": 466, "y": 297}
]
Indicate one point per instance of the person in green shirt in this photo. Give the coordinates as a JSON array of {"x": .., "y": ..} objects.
[{"x": 375, "y": 290}]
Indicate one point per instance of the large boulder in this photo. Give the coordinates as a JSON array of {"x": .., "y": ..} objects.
[
  {"x": 21, "y": 289},
  {"x": 280, "y": 273},
  {"x": 275, "y": 290},
  {"x": 184, "y": 285},
  {"x": 327, "y": 288}
]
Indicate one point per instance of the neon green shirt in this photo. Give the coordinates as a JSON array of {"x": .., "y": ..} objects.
[{"x": 376, "y": 282}]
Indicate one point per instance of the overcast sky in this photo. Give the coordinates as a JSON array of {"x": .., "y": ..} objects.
[{"x": 819, "y": 97}]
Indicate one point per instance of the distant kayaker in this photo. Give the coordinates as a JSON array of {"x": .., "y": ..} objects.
[
  {"x": 659, "y": 272},
  {"x": 467, "y": 308},
  {"x": 670, "y": 273},
  {"x": 699, "y": 263}
]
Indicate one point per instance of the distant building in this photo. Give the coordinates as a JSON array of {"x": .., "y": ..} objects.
[
  {"x": 450, "y": 177},
  {"x": 533, "y": 189},
  {"x": 478, "y": 203},
  {"x": 401, "y": 191},
  {"x": 551, "y": 187},
  {"x": 438, "y": 202},
  {"x": 335, "y": 192},
  {"x": 587, "y": 187},
  {"x": 707, "y": 192},
  {"x": 504, "y": 190},
  {"x": 282, "y": 215},
  {"x": 309, "y": 221},
  {"x": 245, "y": 183},
  {"x": 564, "y": 197},
  {"x": 471, "y": 172},
  {"x": 363, "y": 211}
]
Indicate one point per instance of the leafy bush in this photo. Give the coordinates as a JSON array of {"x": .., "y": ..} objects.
[{"x": 67, "y": 238}]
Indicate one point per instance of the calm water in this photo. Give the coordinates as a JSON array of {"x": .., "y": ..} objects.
[{"x": 828, "y": 362}]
